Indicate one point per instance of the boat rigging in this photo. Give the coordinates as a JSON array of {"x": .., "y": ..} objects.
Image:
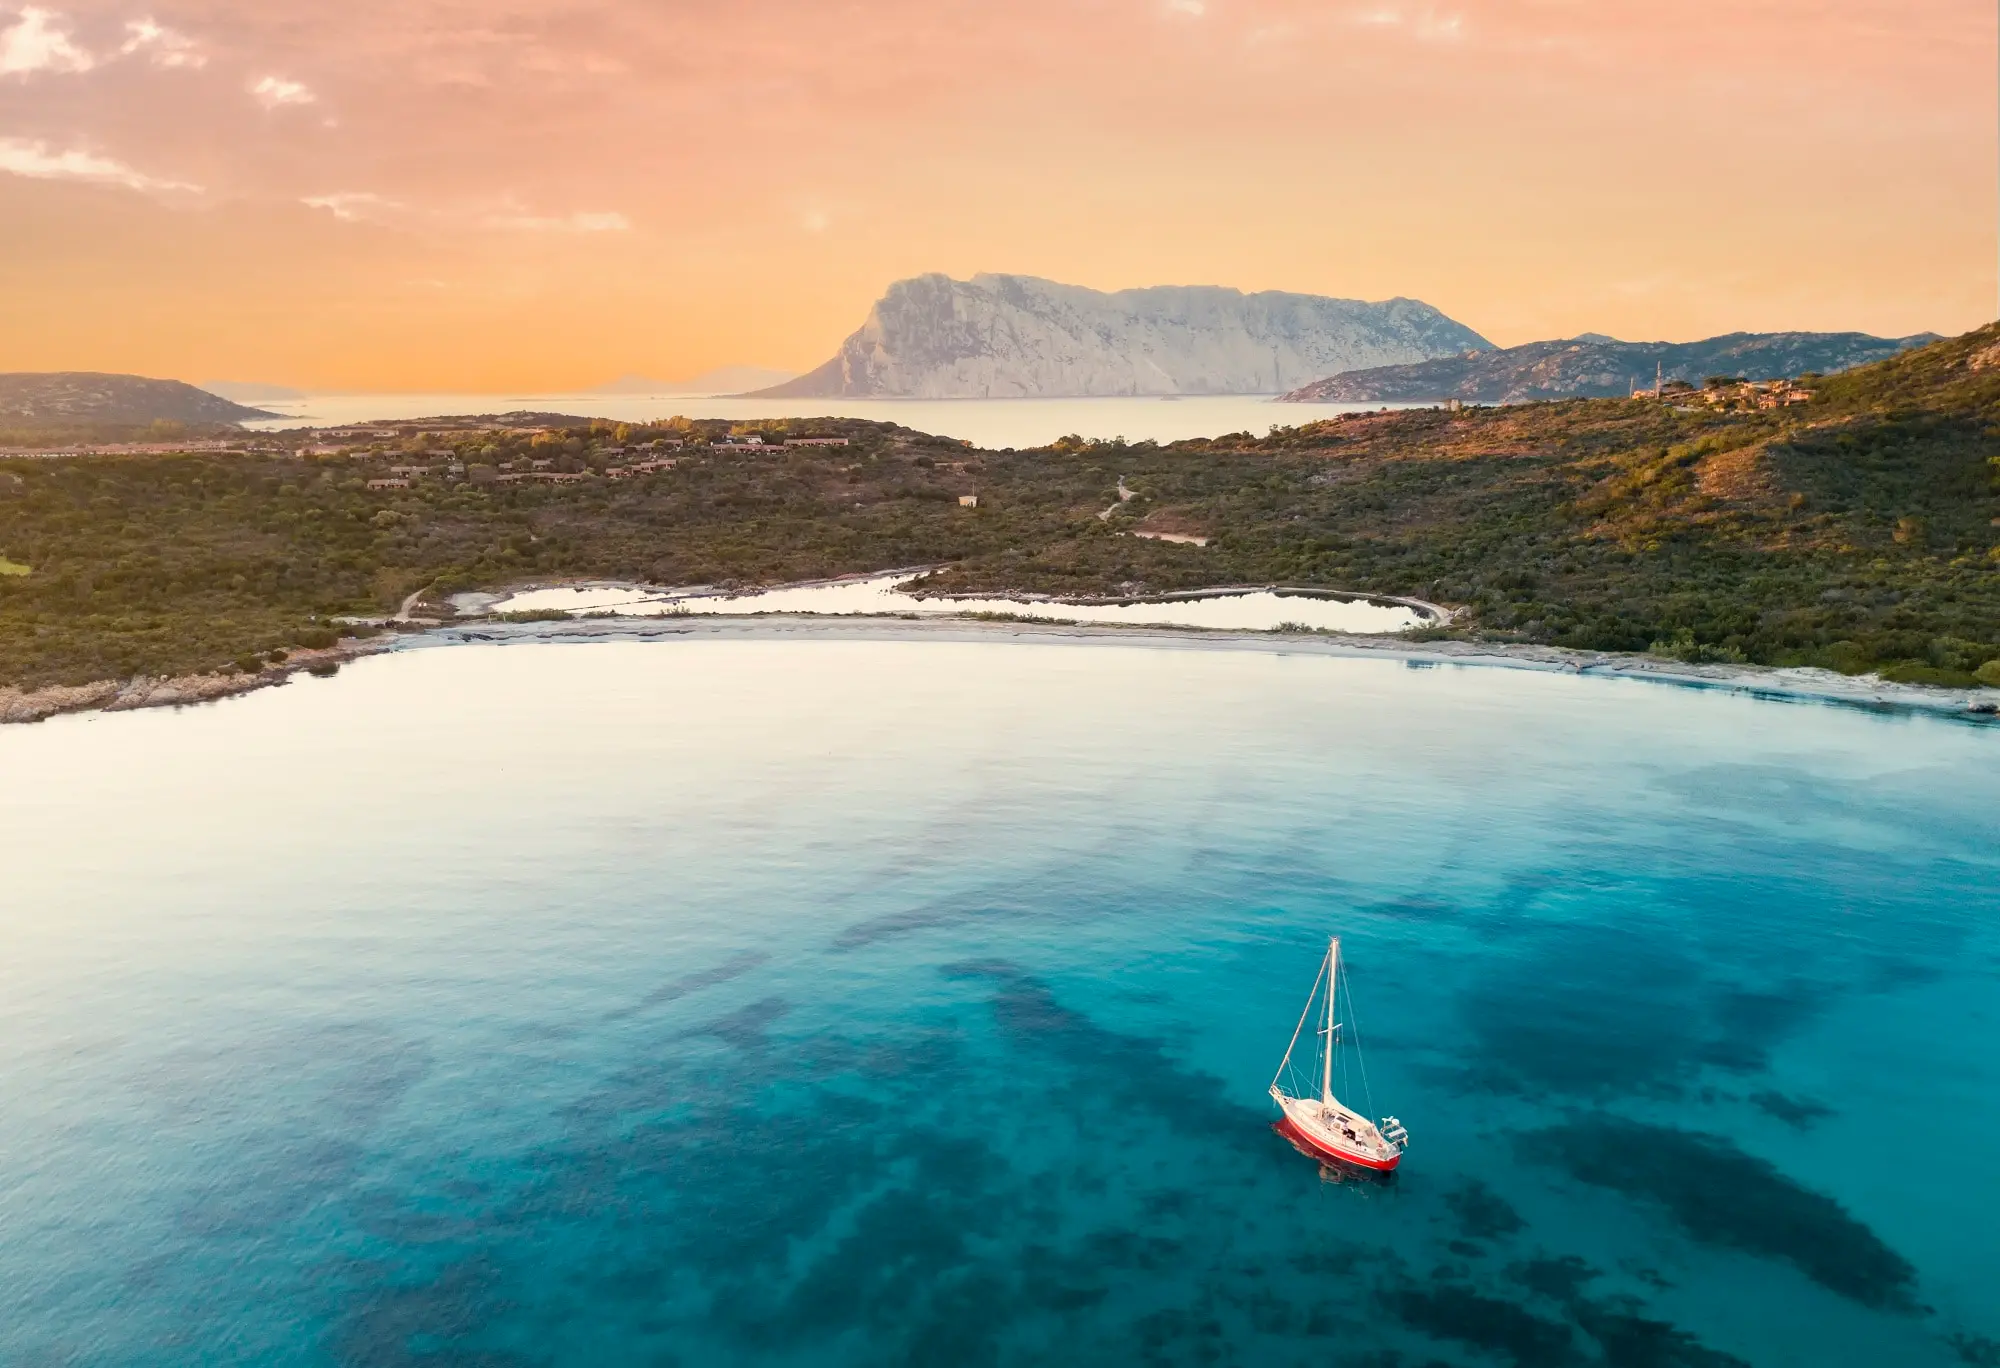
[{"x": 1323, "y": 1125}]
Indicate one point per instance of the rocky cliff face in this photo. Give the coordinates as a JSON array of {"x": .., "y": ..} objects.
[
  {"x": 1009, "y": 337},
  {"x": 89, "y": 396},
  {"x": 1599, "y": 367}
]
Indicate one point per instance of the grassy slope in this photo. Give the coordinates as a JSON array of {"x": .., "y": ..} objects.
[{"x": 1856, "y": 531}]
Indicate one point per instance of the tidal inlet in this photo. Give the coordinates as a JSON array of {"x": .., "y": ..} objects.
[{"x": 1023, "y": 686}]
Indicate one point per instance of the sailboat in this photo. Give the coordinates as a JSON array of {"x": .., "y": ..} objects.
[{"x": 1323, "y": 1125}]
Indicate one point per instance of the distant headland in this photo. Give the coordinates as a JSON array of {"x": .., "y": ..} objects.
[{"x": 1599, "y": 367}]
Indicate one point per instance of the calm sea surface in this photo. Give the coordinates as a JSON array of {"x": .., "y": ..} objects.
[
  {"x": 994, "y": 424},
  {"x": 722, "y": 1002}
]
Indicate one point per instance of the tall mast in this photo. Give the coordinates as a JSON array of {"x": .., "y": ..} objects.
[{"x": 1327, "y": 1061}]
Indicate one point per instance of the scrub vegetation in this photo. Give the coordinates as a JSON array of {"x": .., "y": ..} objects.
[{"x": 1859, "y": 531}]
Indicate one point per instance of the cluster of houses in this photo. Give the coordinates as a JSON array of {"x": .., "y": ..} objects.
[
  {"x": 120, "y": 449},
  {"x": 541, "y": 470},
  {"x": 1759, "y": 394},
  {"x": 755, "y": 442},
  {"x": 626, "y": 472},
  {"x": 641, "y": 458}
]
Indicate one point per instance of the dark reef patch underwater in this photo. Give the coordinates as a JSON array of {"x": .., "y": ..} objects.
[
  {"x": 901, "y": 1003},
  {"x": 1719, "y": 1195}
]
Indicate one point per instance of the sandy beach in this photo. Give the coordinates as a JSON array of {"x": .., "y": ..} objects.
[
  {"x": 1784, "y": 685},
  {"x": 1795, "y": 685}
]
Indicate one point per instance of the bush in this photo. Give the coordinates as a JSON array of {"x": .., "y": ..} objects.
[
  {"x": 1956, "y": 653},
  {"x": 1988, "y": 674},
  {"x": 1848, "y": 657},
  {"x": 1682, "y": 646},
  {"x": 1922, "y": 672}
]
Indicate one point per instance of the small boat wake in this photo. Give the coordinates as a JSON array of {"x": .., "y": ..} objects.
[{"x": 1321, "y": 1126}]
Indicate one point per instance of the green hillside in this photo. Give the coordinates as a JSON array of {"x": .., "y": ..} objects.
[{"x": 1859, "y": 530}]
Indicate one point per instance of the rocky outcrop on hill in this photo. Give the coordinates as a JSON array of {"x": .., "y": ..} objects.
[
  {"x": 1009, "y": 337},
  {"x": 93, "y": 397},
  {"x": 1601, "y": 367}
]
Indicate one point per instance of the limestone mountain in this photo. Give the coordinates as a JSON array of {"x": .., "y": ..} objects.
[
  {"x": 1597, "y": 367},
  {"x": 1011, "y": 336}
]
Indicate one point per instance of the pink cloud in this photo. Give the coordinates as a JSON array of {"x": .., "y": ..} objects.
[
  {"x": 275, "y": 92},
  {"x": 162, "y": 46},
  {"x": 35, "y": 160},
  {"x": 39, "y": 41}
]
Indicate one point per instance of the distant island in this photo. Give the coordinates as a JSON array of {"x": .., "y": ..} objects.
[
  {"x": 45, "y": 397},
  {"x": 1019, "y": 337},
  {"x": 1853, "y": 524},
  {"x": 1598, "y": 367}
]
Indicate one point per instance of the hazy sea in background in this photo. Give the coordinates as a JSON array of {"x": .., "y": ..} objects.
[
  {"x": 993, "y": 424},
  {"x": 721, "y": 1002}
]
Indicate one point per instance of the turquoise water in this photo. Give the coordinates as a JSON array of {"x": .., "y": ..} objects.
[{"x": 841, "y": 1002}]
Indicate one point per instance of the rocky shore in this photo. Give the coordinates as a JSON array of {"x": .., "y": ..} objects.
[{"x": 147, "y": 691}]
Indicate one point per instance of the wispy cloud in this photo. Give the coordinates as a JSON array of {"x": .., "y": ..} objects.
[
  {"x": 568, "y": 223},
  {"x": 22, "y": 157},
  {"x": 1426, "y": 24},
  {"x": 354, "y": 206},
  {"x": 275, "y": 92},
  {"x": 162, "y": 46},
  {"x": 1187, "y": 9},
  {"x": 34, "y": 42},
  {"x": 367, "y": 206}
]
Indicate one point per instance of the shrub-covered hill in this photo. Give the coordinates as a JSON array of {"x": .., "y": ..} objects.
[
  {"x": 42, "y": 397},
  {"x": 1600, "y": 367},
  {"x": 1856, "y": 531}
]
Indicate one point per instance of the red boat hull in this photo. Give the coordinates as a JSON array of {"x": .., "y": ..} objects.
[{"x": 1307, "y": 1145}]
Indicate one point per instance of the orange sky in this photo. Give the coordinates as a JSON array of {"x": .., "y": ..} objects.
[{"x": 408, "y": 194}]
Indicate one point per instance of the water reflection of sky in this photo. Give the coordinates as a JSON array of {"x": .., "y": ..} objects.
[{"x": 1258, "y": 611}]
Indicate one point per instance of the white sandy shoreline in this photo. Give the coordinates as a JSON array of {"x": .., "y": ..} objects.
[
  {"x": 1799, "y": 685},
  {"x": 1804, "y": 685}
]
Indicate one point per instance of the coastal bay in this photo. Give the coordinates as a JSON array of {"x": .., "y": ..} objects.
[{"x": 779, "y": 982}]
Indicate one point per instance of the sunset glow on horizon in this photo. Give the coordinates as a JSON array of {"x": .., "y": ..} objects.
[{"x": 441, "y": 194}]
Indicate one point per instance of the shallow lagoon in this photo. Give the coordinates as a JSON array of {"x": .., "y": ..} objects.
[
  {"x": 814, "y": 1001},
  {"x": 1257, "y": 610}
]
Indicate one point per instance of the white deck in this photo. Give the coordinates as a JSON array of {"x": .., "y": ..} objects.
[{"x": 1337, "y": 1128}]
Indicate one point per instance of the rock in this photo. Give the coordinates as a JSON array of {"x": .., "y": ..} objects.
[{"x": 1011, "y": 337}]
